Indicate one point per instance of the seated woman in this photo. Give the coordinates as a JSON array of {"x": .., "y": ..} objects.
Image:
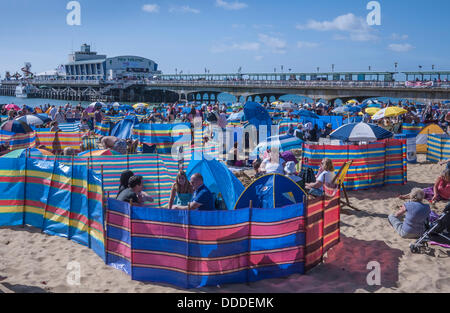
[
  {"x": 417, "y": 214},
  {"x": 439, "y": 192},
  {"x": 124, "y": 179},
  {"x": 182, "y": 191},
  {"x": 273, "y": 163},
  {"x": 324, "y": 177}
]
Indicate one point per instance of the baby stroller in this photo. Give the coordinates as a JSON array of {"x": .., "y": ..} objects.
[{"x": 437, "y": 231}]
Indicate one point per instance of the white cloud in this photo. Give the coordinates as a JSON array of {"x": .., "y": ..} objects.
[
  {"x": 150, "y": 8},
  {"x": 356, "y": 27},
  {"x": 183, "y": 9},
  {"x": 259, "y": 57},
  {"x": 399, "y": 47},
  {"x": 275, "y": 44},
  {"x": 395, "y": 36},
  {"x": 306, "y": 44},
  {"x": 231, "y": 5}
]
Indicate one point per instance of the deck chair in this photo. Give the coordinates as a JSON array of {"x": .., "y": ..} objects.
[
  {"x": 339, "y": 180},
  {"x": 89, "y": 142}
]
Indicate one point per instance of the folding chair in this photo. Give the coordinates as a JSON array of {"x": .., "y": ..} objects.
[
  {"x": 89, "y": 142},
  {"x": 339, "y": 180}
]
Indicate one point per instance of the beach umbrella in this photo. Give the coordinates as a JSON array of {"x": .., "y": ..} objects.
[
  {"x": 32, "y": 120},
  {"x": 286, "y": 106},
  {"x": 94, "y": 106},
  {"x": 374, "y": 104},
  {"x": 12, "y": 107},
  {"x": 307, "y": 113},
  {"x": 372, "y": 111},
  {"x": 99, "y": 153},
  {"x": 360, "y": 132},
  {"x": 16, "y": 127},
  {"x": 346, "y": 110},
  {"x": 116, "y": 105},
  {"x": 141, "y": 106},
  {"x": 277, "y": 103},
  {"x": 389, "y": 112},
  {"x": 352, "y": 102}
]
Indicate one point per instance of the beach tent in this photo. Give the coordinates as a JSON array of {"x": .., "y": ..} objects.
[
  {"x": 256, "y": 114},
  {"x": 124, "y": 128},
  {"x": 217, "y": 178},
  {"x": 270, "y": 192},
  {"x": 422, "y": 137}
]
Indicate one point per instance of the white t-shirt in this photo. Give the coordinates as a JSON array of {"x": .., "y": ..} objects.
[
  {"x": 273, "y": 168},
  {"x": 326, "y": 178}
]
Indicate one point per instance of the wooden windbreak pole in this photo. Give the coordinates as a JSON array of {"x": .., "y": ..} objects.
[
  {"x": 51, "y": 183},
  {"x": 71, "y": 192},
  {"x": 188, "y": 243},
  {"x": 131, "y": 239},
  {"x": 24, "y": 209}
]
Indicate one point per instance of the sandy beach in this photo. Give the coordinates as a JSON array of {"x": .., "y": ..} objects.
[{"x": 35, "y": 262}]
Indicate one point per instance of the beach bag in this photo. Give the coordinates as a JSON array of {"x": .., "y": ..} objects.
[{"x": 307, "y": 175}]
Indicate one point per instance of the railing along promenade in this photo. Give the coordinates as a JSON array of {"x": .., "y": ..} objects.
[{"x": 233, "y": 83}]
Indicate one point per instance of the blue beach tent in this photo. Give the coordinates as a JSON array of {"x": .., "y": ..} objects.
[
  {"x": 217, "y": 178},
  {"x": 124, "y": 129},
  {"x": 270, "y": 192}
]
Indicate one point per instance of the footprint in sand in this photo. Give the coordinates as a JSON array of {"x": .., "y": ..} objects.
[{"x": 443, "y": 283}]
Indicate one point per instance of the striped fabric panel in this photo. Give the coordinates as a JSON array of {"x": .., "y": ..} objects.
[
  {"x": 158, "y": 180},
  {"x": 412, "y": 129},
  {"x": 114, "y": 119},
  {"x": 57, "y": 142},
  {"x": 164, "y": 136},
  {"x": 314, "y": 233},
  {"x": 103, "y": 129},
  {"x": 70, "y": 127},
  {"x": 213, "y": 249},
  {"x": 61, "y": 200},
  {"x": 18, "y": 141},
  {"x": 374, "y": 164},
  {"x": 438, "y": 148}
]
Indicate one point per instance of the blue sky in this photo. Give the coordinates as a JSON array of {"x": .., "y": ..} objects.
[{"x": 223, "y": 35}]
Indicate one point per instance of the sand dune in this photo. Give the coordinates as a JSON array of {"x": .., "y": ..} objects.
[{"x": 34, "y": 262}]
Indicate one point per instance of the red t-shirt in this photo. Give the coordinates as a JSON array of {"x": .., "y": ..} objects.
[{"x": 444, "y": 189}]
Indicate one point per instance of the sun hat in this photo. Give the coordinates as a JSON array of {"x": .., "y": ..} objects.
[{"x": 290, "y": 168}]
